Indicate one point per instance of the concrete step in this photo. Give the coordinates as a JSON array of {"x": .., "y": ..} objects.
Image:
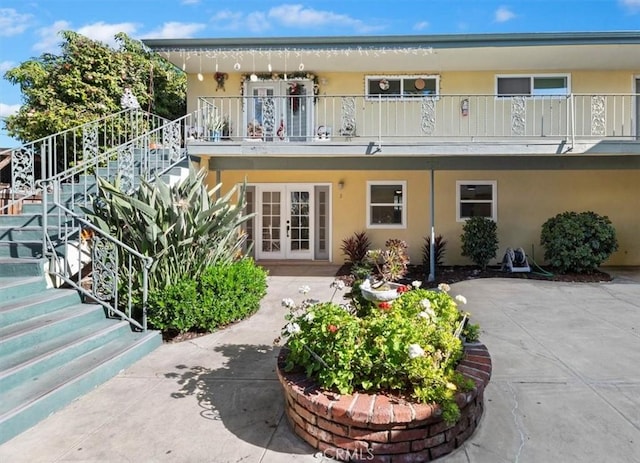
[
  {"x": 21, "y": 249},
  {"x": 30, "y": 402},
  {"x": 25, "y": 233},
  {"x": 32, "y": 219},
  {"x": 26, "y": 364},
  {"x": 29, "y": 304},
  {"x": 18, "y": 268},
  {"x": 31, "y": 332}
]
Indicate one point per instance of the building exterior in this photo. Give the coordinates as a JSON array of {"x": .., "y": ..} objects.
[{"x": 401, "y": 135}]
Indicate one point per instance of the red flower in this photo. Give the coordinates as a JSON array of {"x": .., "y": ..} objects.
[
  {"x": 332, "y": 328},
  {"x": 384, "y": 305}
]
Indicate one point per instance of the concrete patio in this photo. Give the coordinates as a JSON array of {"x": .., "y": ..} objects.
[{"x": 565, "y": 386}]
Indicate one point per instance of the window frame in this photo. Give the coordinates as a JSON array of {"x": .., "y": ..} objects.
[
  {"x": 403, "y": 221},
  {"x": 402, "y": 95},
  {"x": 493, "y": 201},
  {"x": 532, "y": 78}
]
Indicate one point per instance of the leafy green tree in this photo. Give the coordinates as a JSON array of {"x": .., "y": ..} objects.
[{"x": 86, "y": 82}]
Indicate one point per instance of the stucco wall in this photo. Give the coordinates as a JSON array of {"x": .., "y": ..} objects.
[{"x": 526, "y": 199}]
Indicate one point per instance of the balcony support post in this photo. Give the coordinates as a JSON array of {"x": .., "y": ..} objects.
[{"x": 432, "y": 246}]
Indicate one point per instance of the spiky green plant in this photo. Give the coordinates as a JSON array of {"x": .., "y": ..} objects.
[{"x": 185, "y": 228}]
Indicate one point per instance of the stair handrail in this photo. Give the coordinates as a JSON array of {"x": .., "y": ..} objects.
[
  {"x": 109, "y": 294},
  {"x": 105, "y": 247},
  {"x": 85, "y": 141}
]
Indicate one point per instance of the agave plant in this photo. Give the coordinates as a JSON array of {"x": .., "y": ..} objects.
[{"x": 184, "y": 227}]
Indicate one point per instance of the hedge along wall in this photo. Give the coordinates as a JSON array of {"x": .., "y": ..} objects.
[{"x": 381, "y": 428}]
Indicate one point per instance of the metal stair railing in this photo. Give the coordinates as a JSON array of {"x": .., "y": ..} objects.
[
  {"x": 49, "y": 156},
  {"x": 75, "y": 242}
]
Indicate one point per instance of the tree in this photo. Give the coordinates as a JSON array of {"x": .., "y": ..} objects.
[{"x": 86, "y": 81}]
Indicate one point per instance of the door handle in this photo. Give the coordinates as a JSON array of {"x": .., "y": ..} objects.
[{"x": 288, "y": 228}]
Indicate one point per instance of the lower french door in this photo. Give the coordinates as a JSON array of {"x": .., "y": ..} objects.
[{"x": 285, "y": 222}]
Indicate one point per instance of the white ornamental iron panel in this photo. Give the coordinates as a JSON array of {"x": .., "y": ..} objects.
[
  {"x": 518, "y": 115},
  {"x": 105, "y": 268},
  {"x": 598, "y": 115},
  {"x": 90, "y": 141},
  {"x": 348, "y": 116},
  {"x": 268, "y": 116},
  {"x": 22, "y": 170},
  {"x": 428, "y": 116},
  {"x": 126, "y": 168},
  {"x": 171, "y": 140}
]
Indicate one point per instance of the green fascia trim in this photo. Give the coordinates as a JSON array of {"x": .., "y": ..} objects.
[
  {"x": 376, "y": 162},
  {"x": 399, "y": 41}
]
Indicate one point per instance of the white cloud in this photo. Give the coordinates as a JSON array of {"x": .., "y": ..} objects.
[
  {"x": 298, "y": 16},
  {"x": 6, "y": 65},
  {"x": 172, "y": 30},
  {"x": 49, "y": 39},
  {"x": 12, "y": 22},
  {"x": 257, "y": 22},
  {"x": 228, "y": 20},
  {"x": 8, "y": 109},
  {"x": 633, "y": 5},
  {"x": 105, "y": 33},
  {"x": 504, "y": 14},
  {"x": 422, "y": 25},
  {"x": 190, "y": 2}
]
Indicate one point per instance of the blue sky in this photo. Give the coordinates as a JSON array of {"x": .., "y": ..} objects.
[{"x": 30, "y": 28}]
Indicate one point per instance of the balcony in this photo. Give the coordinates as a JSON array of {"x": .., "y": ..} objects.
[{"x": 443, "y": 124}]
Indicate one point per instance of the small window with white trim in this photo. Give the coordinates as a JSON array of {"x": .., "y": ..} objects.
[
  {"x": 415, "y": 86},
  {"x": 476, "y": 198},
  {"x": 386, "y": 204},
  {"x": 538, "y": 85}
]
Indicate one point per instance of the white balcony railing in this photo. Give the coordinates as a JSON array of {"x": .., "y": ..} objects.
[{"x": 344, "y": 117}]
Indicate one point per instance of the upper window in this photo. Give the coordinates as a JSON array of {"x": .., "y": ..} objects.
[
  {"x": 386, "y": 204},
  {"x": 476, "y": 198},
  {"x": 546, "y": 85},
  {"x": 402, "y": 86}
]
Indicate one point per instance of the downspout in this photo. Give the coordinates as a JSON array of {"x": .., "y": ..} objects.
[{"x": 432, "y": 246}]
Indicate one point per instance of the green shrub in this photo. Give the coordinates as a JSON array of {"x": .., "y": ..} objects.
[
  {"x": 480, "y": 240},
  {"x": 439, "y": 248},
  {"x": 174, "y": 308},
  {"x": 231, "y": 292},
  {"x": 224, "y": 293},
  {"x": 578, "y": 241}
]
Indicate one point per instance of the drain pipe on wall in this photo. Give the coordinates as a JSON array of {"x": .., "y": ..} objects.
[{"x": 432, "y": 246}]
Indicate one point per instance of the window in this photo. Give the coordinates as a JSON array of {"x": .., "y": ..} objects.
[
  {"x": 386, "y": 204},
  {"x": 550, "y": 85},
  {"x": 476, "y": 198},
  {"x": 401, "y": 86}
]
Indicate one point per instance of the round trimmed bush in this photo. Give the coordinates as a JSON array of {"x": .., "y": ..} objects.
[
  {"x": 578, "y": 241},
  {"x": 480, "y": 240}
]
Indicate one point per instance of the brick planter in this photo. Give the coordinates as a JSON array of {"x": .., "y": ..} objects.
[{"x": 381, "y": 428}]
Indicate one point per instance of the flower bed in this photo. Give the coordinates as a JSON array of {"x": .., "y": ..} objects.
[{"x": 378, "y": 427}]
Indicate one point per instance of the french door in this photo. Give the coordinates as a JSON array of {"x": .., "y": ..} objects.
[
  {"x": 285, "y": 222},
  {"x": 279, "y": 110}
]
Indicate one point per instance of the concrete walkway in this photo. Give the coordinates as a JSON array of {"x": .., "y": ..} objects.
[{"x": 565, "y": 386}]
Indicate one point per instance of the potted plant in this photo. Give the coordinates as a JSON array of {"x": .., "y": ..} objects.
[
  {"x": 388, "y": 265},
  {"x": 215, "y": 124}
]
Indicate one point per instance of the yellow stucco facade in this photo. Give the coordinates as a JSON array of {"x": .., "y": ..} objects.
[{"x": 525, "y": 200}]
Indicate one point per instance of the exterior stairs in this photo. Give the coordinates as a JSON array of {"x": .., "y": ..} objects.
[{"x": 54, "y": 346}]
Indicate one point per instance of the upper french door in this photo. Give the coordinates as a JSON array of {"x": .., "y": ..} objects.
[
  {"x": 285, "y": 222},
  {"x": 280, "y": 110}
]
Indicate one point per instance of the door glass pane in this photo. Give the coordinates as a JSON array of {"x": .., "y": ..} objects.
[
  {"x": 271, "y": 221},
  {"x": 299, "y": 222}
]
